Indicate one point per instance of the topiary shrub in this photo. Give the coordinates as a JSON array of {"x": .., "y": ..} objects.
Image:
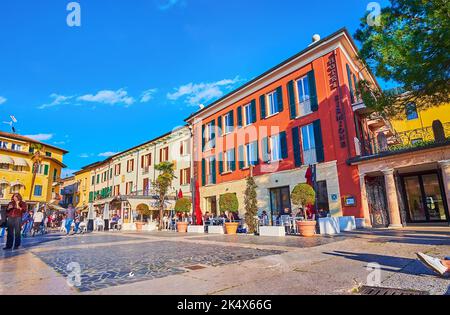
[
  {"x": 302, "y": 196},
  {"x": 183, "y": 205},
  {"x": 229, "y": 202}
]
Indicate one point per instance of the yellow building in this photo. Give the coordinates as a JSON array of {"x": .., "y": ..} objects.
[
  {"x": 417, "y": 125},
  {"x": 18, "y": 154},
  {"x": 83, "y": 180}
]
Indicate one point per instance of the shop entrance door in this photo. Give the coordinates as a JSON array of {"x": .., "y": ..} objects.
[
  {"x": 280, "y": 202},
  {"x": 424, "y": 196}
]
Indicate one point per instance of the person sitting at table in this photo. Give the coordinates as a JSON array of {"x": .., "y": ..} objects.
[{"x": 114, "y": 222}]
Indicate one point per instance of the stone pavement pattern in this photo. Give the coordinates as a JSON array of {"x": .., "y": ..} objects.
[{"x": 158, "y": 263}]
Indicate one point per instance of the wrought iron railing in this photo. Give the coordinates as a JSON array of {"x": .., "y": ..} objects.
[{"x": 411, "y": 139}]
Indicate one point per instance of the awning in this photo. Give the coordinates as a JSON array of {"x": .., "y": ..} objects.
[
  {"x": 4, "y": 159},
  {"x": 104, "y": 201},
  {"x": 4, "y": 182},
  {"x": 20, "y": 162},
  {"x": 17, "y": 183}
]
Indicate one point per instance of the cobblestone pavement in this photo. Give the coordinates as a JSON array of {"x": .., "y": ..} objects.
[{"x": 161, "y": 263}]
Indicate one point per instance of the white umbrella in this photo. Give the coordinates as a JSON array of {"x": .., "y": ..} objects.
[
  {"x": 91, "y": 214},
  {"x": 106, "y": 212}
]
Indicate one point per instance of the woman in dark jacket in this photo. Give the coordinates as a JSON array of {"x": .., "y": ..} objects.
[{"x": 16, "y": 208}]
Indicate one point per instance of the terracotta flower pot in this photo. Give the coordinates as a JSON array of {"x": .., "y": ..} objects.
[
  {"x": 307, "y": 228},
  {"x": 231, "y": 228},
  {"x": 139, "y": 225},
  {"x": 182, "y": 227}
]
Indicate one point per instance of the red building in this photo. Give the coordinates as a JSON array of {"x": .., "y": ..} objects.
[{"x": 304, "y": 111}]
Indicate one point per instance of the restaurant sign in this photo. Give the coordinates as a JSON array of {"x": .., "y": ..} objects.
[{"x": 334, "y": 84}]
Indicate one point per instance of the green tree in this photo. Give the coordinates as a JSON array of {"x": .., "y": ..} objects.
[
  {"x": 183, "y": 205},
  {"x": 162, "y": 185},
  {"x": 251, "y": 204},
  {"x": 302, "y": 196},
  {"x": 229, "y": 202},
  {"x": 410, "y": 46}
]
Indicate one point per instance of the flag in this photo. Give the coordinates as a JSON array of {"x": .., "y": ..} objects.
[{"x": 14, "y": 120}]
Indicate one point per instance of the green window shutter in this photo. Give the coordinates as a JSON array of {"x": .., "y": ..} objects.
[
  {"x": 239, "y": 117},
  {"x": 203, "y": 172},
  {"x": 255, "y": 153},
  {"x": 220, "y": 163},
  {"x": 296, "y": 145},
  {"x": 213, "y": 168},
  {"x": 232, "y": 120},
  {"x": 253, "y": 110},
  {"x": 265, "y": 150},
  {"x": 284, "y": 146},
  {"x": 319, "y": 142},
  {"x": 213, "y": 140},
  {"x": 233, "y": 164},
  {"x": 355, "y": 84},
  {"x": 46, "y": 168},
  {"x": 220, "y": 126},
  {"x": 313, "y": 91},
  {"x": 203, "y": 138},
  {"x": 350, "y": 85},
  {"x": 280, "y": 99},
  {"x": 292, "y": 105},
  {"x": 91, "y": 196},
  {"x": 262, "y": 104},
  {"x": 241, "y": 157}
]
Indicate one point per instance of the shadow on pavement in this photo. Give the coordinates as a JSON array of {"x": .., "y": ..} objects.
[
  {"x": 406, "y": 237},
  {"x": 28, "y": 243},
  {"x": 387, "y": 263}
]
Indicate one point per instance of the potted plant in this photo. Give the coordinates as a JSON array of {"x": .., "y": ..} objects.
[
  {"x": 302, "y": 196},
  {"x": 142, "y": 211},
  {"x": 230, "y": 203},
  {"x": 183, "y": 205}
]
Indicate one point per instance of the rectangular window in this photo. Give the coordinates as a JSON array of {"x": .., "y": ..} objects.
[
  {"x": 48, "y": 154},
  {"x": 272, "y": 103},
  {"x": 98, "y": 178},
  {"x": 17, "y": 168},
  {"x": 229, "y": 123},
  {"x": 185, "y": 147},
  {"x": 275, "y": 148},
  {"x": 303, "y": 97},
  {"x": 309, "y": 145},
  {"x": 93, "y": 180},
  {"x": 229, "y": 161},
  {"x": 130, "y": 166},
  {"x": 250, "y": 154},
  {"x": 129, "y": 188},
  {"x": 55, "y": 175},
  {"x": 4, "y": 166},
  {"x": 16, "y": 147},
  {"x": 185, "y": 177},
  {"x": 248, "y": 119},
  {"x": 38, "y": 190},
  {"x": 210, "y": 169},
  {"x": 3, "y": 145},
  {"x": 117, "y": 190},
  {"x": 117, "y": 169},
  {"x": 411, "y": 111},
  {"x": 146, "y": 160},
  {"x": 164, "y": 154}
]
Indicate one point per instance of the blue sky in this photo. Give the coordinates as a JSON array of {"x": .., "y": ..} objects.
[{"x": 136, "y": 69}]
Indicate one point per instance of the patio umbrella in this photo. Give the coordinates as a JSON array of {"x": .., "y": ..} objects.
[
  {"x": 197, "y": 210},
  {"x": 310, "y": 182},
  {"x": 180, "y": 194},
  {"x": 106, "y": 216},
  {"x": 91, "y": 217}
]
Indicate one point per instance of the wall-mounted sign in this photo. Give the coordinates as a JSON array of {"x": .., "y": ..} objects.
[
  {"x": 349, "y": 201},
  {"x": 332, "y": 72},
  {"x": 334, "y": 197}
]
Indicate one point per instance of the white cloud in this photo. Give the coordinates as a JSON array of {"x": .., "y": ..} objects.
[
  {"x": 107, "y": 154},
  {"x": 57, "y": 100},
  {"x": 2, "y": 100},
  {"x": 84, "y": 155},
  {"x": 40, "y": 136},
  {"x": 195, "y": 94},
  {"x": 109, "y": 97},
  {"x": 148, "y": 95}
]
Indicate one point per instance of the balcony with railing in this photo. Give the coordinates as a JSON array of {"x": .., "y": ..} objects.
[{"x": 411, "y": 140}]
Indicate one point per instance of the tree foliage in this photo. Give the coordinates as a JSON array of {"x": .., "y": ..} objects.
[
  {"x": 162, "y": 185},
  {"x": 303, "y": 195},
  {"x": 229, "y": 202},
  {"x": 251, "y": 205},
  {"x": 183, "y": 205},
  {"x": 410, "y": 46}
]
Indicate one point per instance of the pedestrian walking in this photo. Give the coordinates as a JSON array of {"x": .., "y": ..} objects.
[
  {"x": 77, "y": 221},
  {"x": 2, "y": 222},
  {"x": 38, "y": 218},
  {"x": 69, "y": 218},
  {"x": 16, "y": 208},
  {"x": 27, "y": 223}
]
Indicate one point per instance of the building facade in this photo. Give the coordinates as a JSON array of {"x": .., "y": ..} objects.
[
  {"x": 124, "y": 181},
  {"x": 302, "y": 112},
  {"x": 18, "y": 155}
]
